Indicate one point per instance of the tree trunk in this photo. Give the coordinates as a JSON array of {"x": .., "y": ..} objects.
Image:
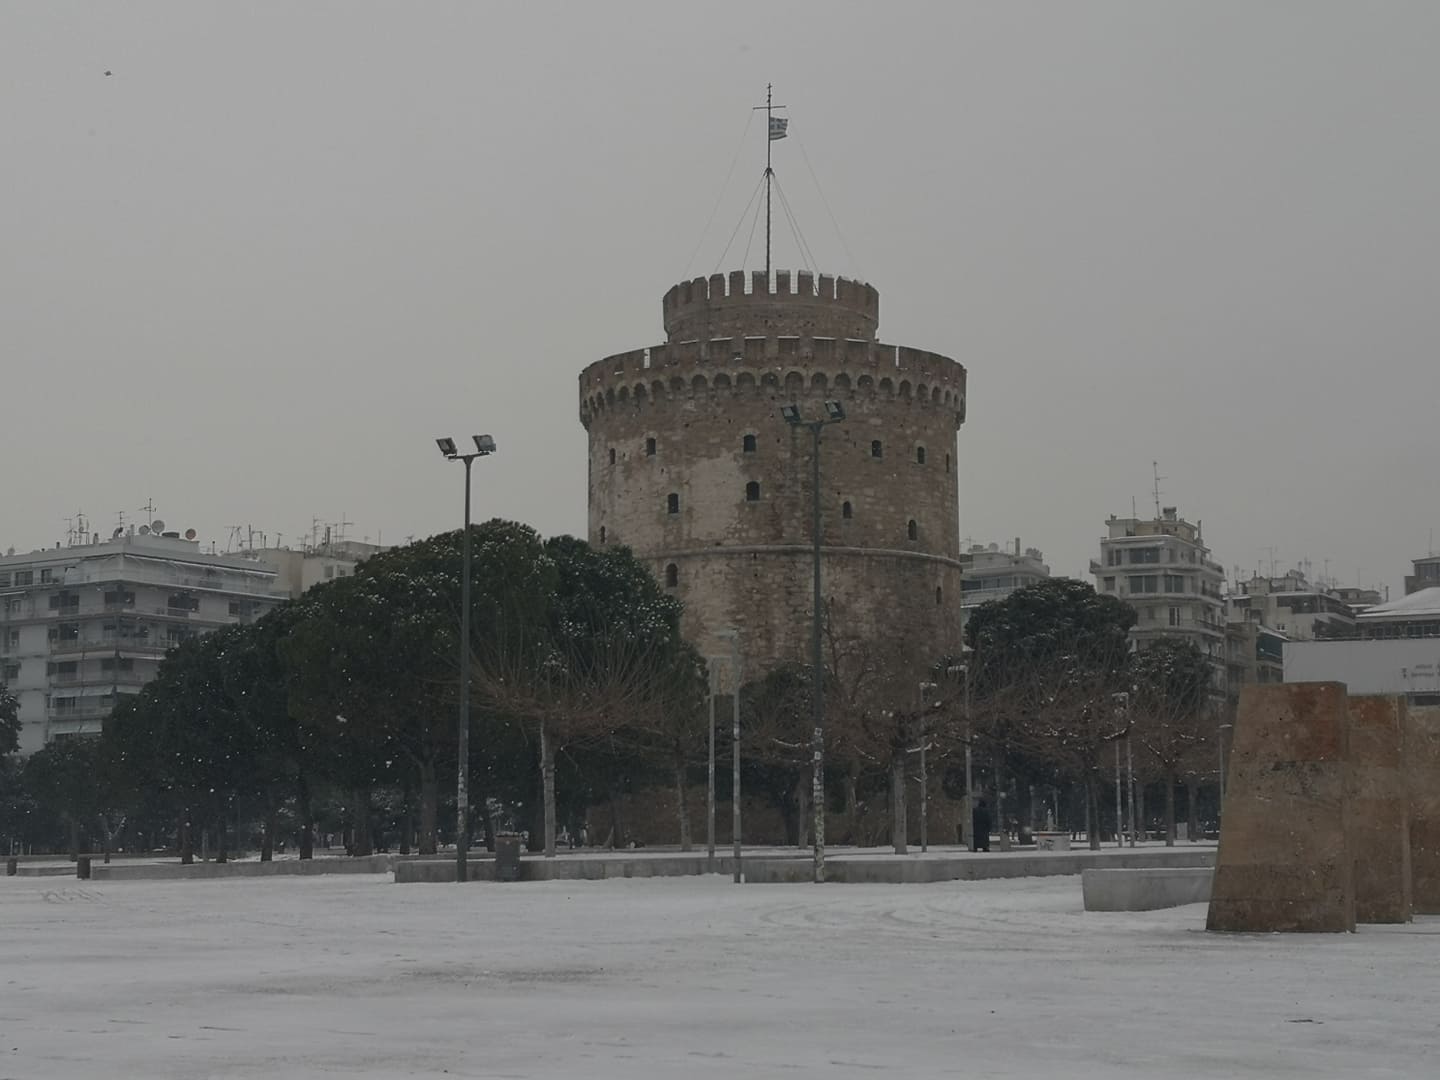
[
  {"x": 1192, "y": 806},
  {"x": 547, "y": 780},
  {"x": 307, "y": 817},
  {"x": 852, "y": 806},
  {"x": 802, "y": 812},
  {"x": 184, "y": 842},
  {"x": 267, "y": 836},
  {"x": 1169, "y": 808},
  {"x": 1140, "y": 830},
  {"x": 221, "y": 855},
  {"x": 1092, "y": 809},
  {"x": 898, "y": 823},
  {"x": 429, "y": 808},
  {"x": 682, "y": 800},
  {"x": 616, "y": 833},
  {"x": 361, "y": 842},
  {"x": 74, "y": 839}
]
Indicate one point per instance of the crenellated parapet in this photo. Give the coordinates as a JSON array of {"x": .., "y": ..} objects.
[
  {"x": 805, "y": 304},
  {"x": 748, "y": 366}
]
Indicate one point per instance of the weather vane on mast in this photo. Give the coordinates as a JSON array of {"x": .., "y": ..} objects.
[{"x": 774, "y": 129}]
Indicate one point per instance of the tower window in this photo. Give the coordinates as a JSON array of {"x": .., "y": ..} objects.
[
  {"x": 939, "y": 595},
  {"x": 876, "y": 450},
  {"x": 672, "y": 576},
  {"x": 846, "y": 510},
  {"x": 748, "y": 444},
  {"x": 912, "y": 530},
  {"x": 672, "y": 503},
  {"x": 919, "y": 455},
  {"x": 947, "y": 463},
  {"x": 752, "y": 491},
  {"x": 612, "y": 455},
  {"x": 602, "y": 534},
  {"x": 650, "y": 447}
]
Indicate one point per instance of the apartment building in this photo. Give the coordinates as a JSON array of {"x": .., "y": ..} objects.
[
  {"x": 1162, "y": 568},
  {"x": 1292, "y": 605},
  {"x": 993, "y": 573},
  {"x": 84, "y": 625}
]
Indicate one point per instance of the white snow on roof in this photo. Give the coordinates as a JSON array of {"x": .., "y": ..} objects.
[{"x": 1420, "y": 604}]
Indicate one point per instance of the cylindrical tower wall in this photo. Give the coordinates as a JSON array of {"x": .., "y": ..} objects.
[{"x": 692, "y": 466}]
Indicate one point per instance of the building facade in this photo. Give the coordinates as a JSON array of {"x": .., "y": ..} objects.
[
  {"x": 993, "y": 573},
  {"x": 1426, "y": 575},
  {"x": 693, "y": 467},
  {"x": 1292, "y": 605},
  {"x": 1162, "y": 568},
  {"x": 298, "y": 569},
  {"x": 85, "y": 625},
  {"x": 1414, "y": 615}
]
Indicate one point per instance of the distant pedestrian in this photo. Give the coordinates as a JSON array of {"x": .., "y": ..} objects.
[{"x": 980, "y": 823}]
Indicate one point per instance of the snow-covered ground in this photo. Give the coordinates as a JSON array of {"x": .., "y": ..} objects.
[{"x": 685, "y": 977}]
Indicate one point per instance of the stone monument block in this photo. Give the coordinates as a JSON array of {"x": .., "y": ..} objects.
[
  {"x": 1379, "y": 810},
  {"x": 1284, "y": 862},
  {"x": 1422, "y": 777}
]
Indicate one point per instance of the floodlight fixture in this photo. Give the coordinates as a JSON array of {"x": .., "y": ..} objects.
[
  {"x": 447, "y": 447},
  {"x": 791, "y": 413},
  {"x": 834, "y": 410},
  {"x": 484, "y": 444}
]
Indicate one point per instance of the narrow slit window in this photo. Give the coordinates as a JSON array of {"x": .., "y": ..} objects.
[
  {"x": 876, "y": 450},
  {"x": 919, "y": 455},
  {"x": 747, "y": 444},
  {"x": 846, "y": 510},
  {"x": 672, "y": 576},
  {"x": 912, "y": 530},
  {"x": 672, "y": 503},
  {"x": 612, "y": 455},
  {"x": 752, "y": 491},
  {"x": 650, "y": 447}
]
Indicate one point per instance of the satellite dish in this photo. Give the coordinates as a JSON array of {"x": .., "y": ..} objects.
[
  {"x": 190, "y": 534},
  {"x": 144, "y": 530},
  {"x": 118, "y": 530},
  {"x": 157, "y": 526}
]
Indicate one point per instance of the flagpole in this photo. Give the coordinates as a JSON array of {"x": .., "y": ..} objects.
[
  {"x": 770, "y": 137},
  {"x": 769, "y": 173}
]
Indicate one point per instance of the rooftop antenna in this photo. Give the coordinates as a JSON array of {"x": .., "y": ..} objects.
[
  {"x": 1273, "y": 550},
  {"x": 341, "y": 526},
  {"x": 774, "y": 129},
  {"x": 1155, "y": 470},
  {"x": 149, "y": 509}
]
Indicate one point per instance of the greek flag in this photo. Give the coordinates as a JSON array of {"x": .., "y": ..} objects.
[{"x": 777, "y": 127}]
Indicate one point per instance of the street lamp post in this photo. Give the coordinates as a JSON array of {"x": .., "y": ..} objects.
[
  {"x": 484, "y": 446},
  {"x": 925, "y": 688},
  {"x": 710, "y": 779},
  {"x": 967, "y": 826},
  {"x": 733, "y": 636},
  {"x": 834, "y": 413}
]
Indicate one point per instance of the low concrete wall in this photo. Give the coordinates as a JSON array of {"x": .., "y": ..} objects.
[
  {"x": 796, "y": 869},
  {"x": 366, "y": 864},
  {"x": 1145, "y": 889},
  {"x": 45, "y": 871}
]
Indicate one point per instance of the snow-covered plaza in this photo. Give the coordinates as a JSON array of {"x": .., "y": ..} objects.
[{"x": 685, "y": 977}]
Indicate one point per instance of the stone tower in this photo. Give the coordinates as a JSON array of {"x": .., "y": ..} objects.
[{"x": 692, "y": 466}]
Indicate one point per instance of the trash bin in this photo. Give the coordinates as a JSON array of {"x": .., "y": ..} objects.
[
  {"x": 82, "y": 868},
  {"x": 12, "y": 867},
  {"x": 507, "y": 857}
]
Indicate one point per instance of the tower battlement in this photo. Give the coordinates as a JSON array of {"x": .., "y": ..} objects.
[
  {"x": 722, "y": 305},
  {"x": 747, "y": 365}
]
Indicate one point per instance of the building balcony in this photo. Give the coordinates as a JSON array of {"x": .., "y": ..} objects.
[{"x": 109, "y": 647}]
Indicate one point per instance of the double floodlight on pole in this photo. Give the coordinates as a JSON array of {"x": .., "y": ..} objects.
[
  {"x": 834, "y": 413},
  {"x": 484, "y": 446}
]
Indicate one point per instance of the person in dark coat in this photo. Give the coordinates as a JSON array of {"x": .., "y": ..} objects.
[{"x": 980, "y": 823}]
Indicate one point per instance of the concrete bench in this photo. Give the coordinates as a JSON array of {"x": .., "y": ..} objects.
[{"x": 1145, "y": 889}]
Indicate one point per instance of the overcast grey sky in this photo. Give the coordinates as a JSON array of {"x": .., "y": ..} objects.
[{"x": 255, "y": 270}]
